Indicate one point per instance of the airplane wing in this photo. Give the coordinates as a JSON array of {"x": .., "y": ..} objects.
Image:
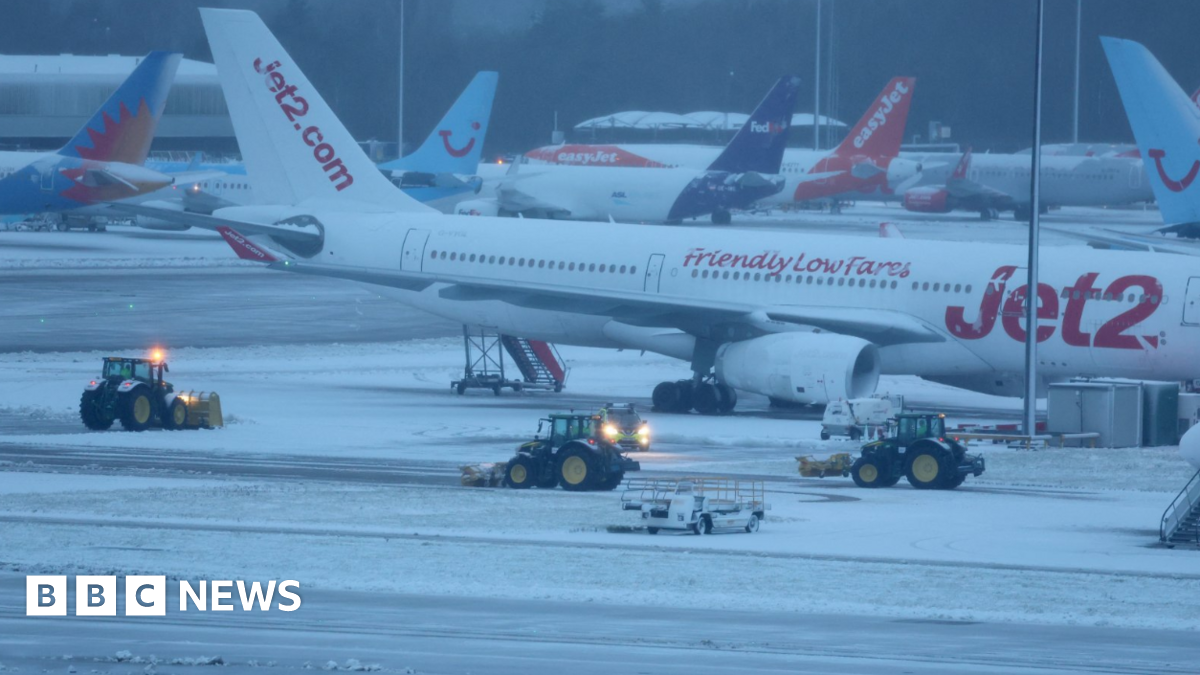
[
  {"x": 513, "y": 199},
  {"x": 1103, "y": 238},
  {"x": 969, "y": 189},
  {"x": 296, "y": 234}
]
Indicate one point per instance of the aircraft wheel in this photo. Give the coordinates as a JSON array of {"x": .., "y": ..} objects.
[
  {"x": 666, "y": 397},
  {"x": 728, "y": 398},
  {"x": 706, "y": 399}
]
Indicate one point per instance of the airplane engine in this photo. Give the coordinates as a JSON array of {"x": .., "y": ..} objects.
[
  {"x": 151, "y": 223},
  {"x": 477, "y": 207},
  {"x": 927, "y": 200},
  {"x": 901, "y": 172},
  {"x": 801, "y": 367}
]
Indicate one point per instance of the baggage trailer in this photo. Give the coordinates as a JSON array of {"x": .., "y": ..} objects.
[{"x": 697, "y": 505}]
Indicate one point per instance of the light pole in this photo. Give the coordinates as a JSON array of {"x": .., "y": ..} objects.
[
  {"x": 400, "y": 115},
  {"x": 1078, "y": 33},
  {"x": 1031, "y": 292},
  {"x": 817, "y": 86}
]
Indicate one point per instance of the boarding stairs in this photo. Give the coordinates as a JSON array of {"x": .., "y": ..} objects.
[
  {"x": 1180, "y": 524},
  {"x": 538, "y": 361}
]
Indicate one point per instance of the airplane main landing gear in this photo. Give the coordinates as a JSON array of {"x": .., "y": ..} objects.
[{"x": 682, "y": 396}]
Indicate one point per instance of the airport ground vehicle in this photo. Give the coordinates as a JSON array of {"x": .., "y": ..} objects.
[
  {"x": 622, "y": 426},
  {"x": 855, "y": 417},
  {"x": 917, "y": 448},
  {"x": 698, "y": 505},
  {"x": 574, "y": 455},
  {"x": 133, "y": 391}
]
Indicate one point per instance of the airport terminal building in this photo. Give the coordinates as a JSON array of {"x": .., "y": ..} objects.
[{"x": 44, "y": 100}]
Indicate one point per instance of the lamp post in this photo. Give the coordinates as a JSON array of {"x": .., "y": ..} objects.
[{"x": 1031, "y": 292}]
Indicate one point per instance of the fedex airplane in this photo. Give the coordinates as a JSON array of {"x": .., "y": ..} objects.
[
  {"x": 442, "y": 172},
  {"x": 865, "y": 165},
  {"x": 794, "y": 316},
  {"x": 741, "y": 174},
  {"x": 104, "y": 161}
]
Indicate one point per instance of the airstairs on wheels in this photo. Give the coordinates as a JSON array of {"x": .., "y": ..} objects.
[
  {"x": 538, "y": 362},
  {"x": 1180, "y": 525}
]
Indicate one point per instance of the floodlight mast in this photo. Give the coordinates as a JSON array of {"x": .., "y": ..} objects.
[{"x": 1035, "y": 204}]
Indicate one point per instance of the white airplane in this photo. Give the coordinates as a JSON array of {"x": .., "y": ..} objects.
[
  {"x": 796, "y": 317},
  {"x": 866, "y": 165},
  {"x": 741, "y": 174}
]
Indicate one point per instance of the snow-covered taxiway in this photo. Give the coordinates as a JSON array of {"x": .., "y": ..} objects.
[{"x": 339, "y": 469}]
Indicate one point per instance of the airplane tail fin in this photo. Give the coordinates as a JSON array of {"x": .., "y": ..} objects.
[
  {"x": 881, "y": 130},
  {"x": 456, "y": 144},
  {"x": 1166, "y": 124},
  {"x": 964, "y": 164},
  {"x": 758, "y": 146},
  {"x": 123, "y": 128},
  {"x": 292, "y": 142}
]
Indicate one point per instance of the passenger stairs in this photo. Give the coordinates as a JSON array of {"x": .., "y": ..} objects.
[
  {"x": 538, "y": 361},
  {"x": 1180, "y": 525}
]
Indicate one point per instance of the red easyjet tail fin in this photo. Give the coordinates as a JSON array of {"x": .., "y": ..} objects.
[
  {"x": 243, "y": 247},
  {"x": 881, "y": 130},
  {"x": 960, "y": 171}
]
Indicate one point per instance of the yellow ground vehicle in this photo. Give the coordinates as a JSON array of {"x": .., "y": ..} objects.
[{"x": 133, "y": 391}]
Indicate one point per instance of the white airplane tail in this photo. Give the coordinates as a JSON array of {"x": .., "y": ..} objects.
[
  {"x": 294, "y": 147},
  {"x": 1166, "y": 124}
]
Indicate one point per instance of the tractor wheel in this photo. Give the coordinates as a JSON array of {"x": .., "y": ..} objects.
[
  {"x": 954, "y": 482},
  {"x": 136, "y": 410},
  {"x": 576, "y": 469},
  {"x": 90, "y": 413},
  {"x": 752, "y": 525},
  {"x": 868, "y": 472},
  {"x": 928, "y": 466},
  {"x": 177, "y": 415},
  {"x": 521, "y": 473},
  {"x": 706, "y": 399},
  {"x": 612, "y": 481}
]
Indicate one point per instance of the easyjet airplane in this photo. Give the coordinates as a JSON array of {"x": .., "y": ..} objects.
[
  {"x": 797, "y": 317},
  {"x": 865, "y": 165}
]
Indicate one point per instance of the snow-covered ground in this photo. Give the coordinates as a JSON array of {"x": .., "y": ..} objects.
[{"x": 1057, "y": 536}]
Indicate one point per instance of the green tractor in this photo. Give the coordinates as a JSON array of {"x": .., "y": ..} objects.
[
  {"x": 574, "y": 455},
  {"x": 134, "y": 392},
  {"x": 918, "y": 449}
]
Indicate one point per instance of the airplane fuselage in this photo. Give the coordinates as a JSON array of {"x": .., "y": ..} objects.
[{"x": 1102, "y": 313}]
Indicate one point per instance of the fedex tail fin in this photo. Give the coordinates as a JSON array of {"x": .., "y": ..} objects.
[
  {"x": 881, "y": 130},
  {"x": 758, "y": 146},
  {"x": 122, "y": 129},
  {"x": 1166, "y": 124},
  {"x": 292, "y": 143},
  {"x": 456, "y": 143}
]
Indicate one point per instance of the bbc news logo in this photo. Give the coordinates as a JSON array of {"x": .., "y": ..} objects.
[{"x": 46, "y": 595}]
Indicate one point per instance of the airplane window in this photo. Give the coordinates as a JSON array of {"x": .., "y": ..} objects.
[
  {"x": 443, "y": 255},
  {"x": 601, "y": 267},
  {"x": 521, "y": 262},
  {"x": 968, "y": 288},
  {"x": 704, "y": 274},
  {"x": 737, "y": 275},
  {"x": 592, "y": 267},
  {"x": 915, "y": 285},
  {"x": 541, "y": 263},
  {"x": 1154, "y": 299},
  {"x": 622, "y": 269},
  {"x": 633, "y": 270},
  {"x": 789, "y": 278},
  {"x": 957, "y": 288},
  {"x": 862, "y": 283},
  {"x": 820, "y": 281},
  {"x": 841, "y": 282},
  {"x": 946, "y": 288},
  {"x": 472, "y": 257},
  {"x": 757, "y": 276},
  {"x": 561, "y": 264},
  {"x": 778, "y": 278},
  {"x": 492, "y": 260},
  {"x": 612, "y": 269},
  {"x": 725, "y": 274},
  {"x": 571, "y": 267},
  {"x": 511, "y": 260},
  {"x": 936, "y": 286},
  {"x": 695, "y": 273},
  {"x": 433, "y": 255},
  {"x": 893, "y": 284},
  {"x": 810, "y": 279},
  {"x": 925, "y": 286}
]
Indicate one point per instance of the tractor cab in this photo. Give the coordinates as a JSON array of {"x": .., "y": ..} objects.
[
  {"x": 912, "y": 427},
  {"x": 119, "y": 369},
  {"x": 566, "y": 427}
]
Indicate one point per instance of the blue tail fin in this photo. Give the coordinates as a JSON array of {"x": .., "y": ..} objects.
[
  {"x": 121, "y": 131},
  {"x": 759, "y": 144},
  {"x": 1166, "y": 124},
  {"x": 456, "y": 143}
]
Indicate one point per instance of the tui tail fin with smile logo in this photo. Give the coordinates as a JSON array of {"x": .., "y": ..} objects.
[
  {"x": 456, "y": 144},
  {"x": 1166, "y": 125}
]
